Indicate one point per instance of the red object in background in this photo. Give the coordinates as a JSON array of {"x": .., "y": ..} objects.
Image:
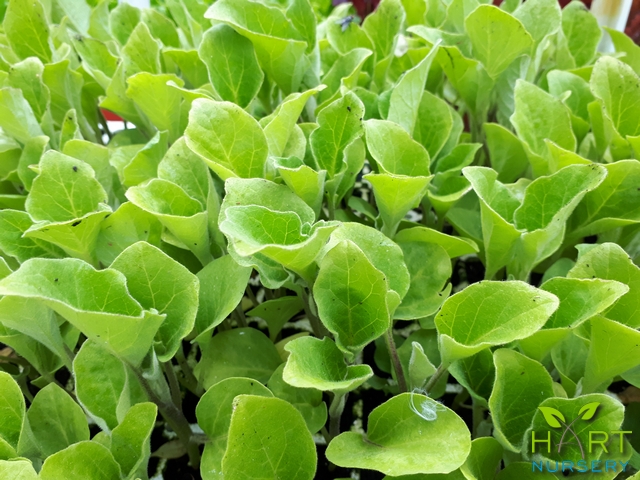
[
  {"x": 563, "y": 3},
  {"x": 633, "y": 24},
  {"x": 110, "y": 116}
]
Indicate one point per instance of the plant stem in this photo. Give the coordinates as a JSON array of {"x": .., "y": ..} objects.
[
  {"x": 241, "y": 320},
  {"x": 395, "y": 360},
  {"x": 435, "y": 377},
  {"x": 174, "y": 386},
  {"x": 335, "y": 413},
  {"x": 251, "y": 296},
  {"x": 161, "y": 396},
  {"x": 319, "y": 329},
  {"x": 477, "y": 413}
]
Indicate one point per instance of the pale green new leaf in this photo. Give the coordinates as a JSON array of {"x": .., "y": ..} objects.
[
  {"x": 227, "y": 138},
  {"x": 96, "y": 302},
  {"x": 610, "y": 262},
  {"x": 16, "y": 116},
  {"x": 541, "y": 18},
  {"x": 85, "y": 460},
  {"x": 232, "y": 64},
  {"x": 320, "y": 364},
  {"x": 130, "y": 440},
  {"x": 268, "y": 438},
  {"x": 13, "y": 225},
  {"x": 352, "y": 297},
  {"x": 27, "y": 31},
  {"x": 408, "y": 434},
  {"x": 12, "y": 410},
  {"x": 303, "y": 180},
  {"x": 241, "y": 352},
  {"x": 614, "y": 349},
  {"x": 279, "y": 47},
  {"x": 56, "y": 420},
  {"x": 158, "y": 282},
  {"x": 483, "y": 460},
  {"x": 182, "y": 215},
  {"x": 583, "y": 34},
  {"x": 497, "y": 38},
  {"x": 521, "y": 384},
  {"x": 617, "y": 86},
  {"x": 508, "y": 156},
  {"x": 17, "y": 470},
  {"x": 491, "y": 313}
]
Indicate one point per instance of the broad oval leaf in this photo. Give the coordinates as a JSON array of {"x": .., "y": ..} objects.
[
  {"x": 268, "y": 437},
  {"x": 408, "y": 434},
  {"x": 320, "y": 364},
  {"x": 85, "y": 460},
  {"x": 12, "y": 410},
  {"x": 227, "y": 138},
  {"x": 491, "y": 313}
]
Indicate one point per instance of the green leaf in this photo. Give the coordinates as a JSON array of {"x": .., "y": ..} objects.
[
  {"x": 279, "y": 47},
  {"x": 12, "y": 410},
  {"x": 25, "y": 26},
  {"x": 497, "y": 207},
  {"x": 18, "y": 470},
  {"x": 541, "y": 18},
  {"x": 483, "y": 460},
  {"x": 497, "y": 38},
  {"x": 521, "y": 384},
  {"x": 65, "y": 189},
  {"x": 508, "y": 156},
  {"x": 158, "y": 282},
  {"x": 13, "y": 224},
  {"x": 609, "y": 419},
  {"x": 547, "y": 204},
  {"x": 320, "y": 364},
  {"x": 56, "y": 420},
  {"x": 280, "y": 236},
  {"x": 430, "y": 269},
  {"x": 615, "y": 84},
  {"x": 27, "y": 76},
  {"x": 610, "y": 262},
  {"x": 157, "y": 100},
  {"x": 552, "y": 416},
  {"x": 354, "y": 311},
  {"x": 232, "y": 64},
  {"x": 539, "y": 116},
  {"x": 122, "y": 21},
  {"x": 227, "y": 138},
  {"x": 31, "y": 154},
  {"x": 124, "y": 227},
  {"x": 96, "y": 302},
  {"x": 408, "y": 434},
  {"x": 308, "y": 401},
  {"x": 394, "y": 150},
  {"x": 581, "y": 299},
  {"x": 476, "y": 374},
  {"x": 241, "y": 352},
  {"x": 491, "y": 313},
  {"x": 86, "y": 460},
  {"x": 105, "y": 386},
  {"x": 404, "y": 104},
  {"x": 278, "y": 127},
  {"x": 615, "y": 203},
  {"x": 343, "y": 75},
  {"x": 303, "y": 180},
  {"x": 589, "y": 410},
  {"x": 34, "y": 320},
  {"x": 16, "y": 116},
  {"x": 141, "y": 53},
  {"x": 268, "y": 436},
  {"x": 340, "y": 126},
  {"x": 222, "y": 286},
  {"x": 582, "y": 32},
  {"x": 624, "y": 44},
  {"x": 182, "y": 215},
  {"x": 130, "y": 441},
  {"x": 614, "y": 349}
]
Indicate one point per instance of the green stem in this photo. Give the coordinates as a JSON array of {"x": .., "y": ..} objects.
[
  {"x": 241, "y": 320},
  {"x": 159, "y": 393},
  {"x": 395, "y": 360},
  {"x": 478, "y": 416},
  {"x": 251, "y": 296},
  {"x": 174, "y": 386},
  {"x": 435, "y": 377},
  {"x": 318, "y": 328},
  {"x": 335, "y": 413},
  {"x": 190, "y": 381}
]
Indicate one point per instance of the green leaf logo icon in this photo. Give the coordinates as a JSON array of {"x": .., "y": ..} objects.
[
  {"x": 552, "y": 416},
  {"x": 588, "y": 411}
]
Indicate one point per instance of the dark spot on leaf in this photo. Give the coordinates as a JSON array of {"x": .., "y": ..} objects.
[
  {"x": 75, "y": 169},
  {"x": 75, "y": 224},
  {"x": 55, "y": 280},
  {"x": 349, "y": 108}
]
